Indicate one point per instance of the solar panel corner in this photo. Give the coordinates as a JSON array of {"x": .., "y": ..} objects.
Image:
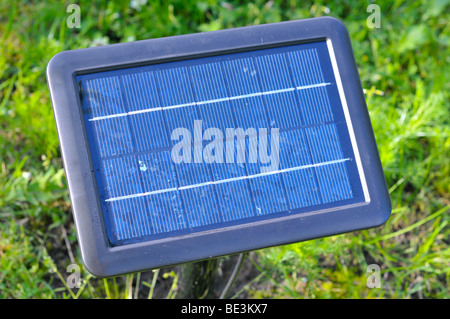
[{"x": 102, "y": 95}]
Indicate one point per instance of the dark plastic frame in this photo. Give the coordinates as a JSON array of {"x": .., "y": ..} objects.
[{"x": 103, "y": 260}]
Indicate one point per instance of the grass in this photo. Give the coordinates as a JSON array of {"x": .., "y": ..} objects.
[{"x": 404, "y": 70}]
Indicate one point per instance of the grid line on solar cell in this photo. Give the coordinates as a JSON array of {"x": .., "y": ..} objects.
[
  {"x": 228, "y": 98},
  {"x": 219, "y": 116},
  {"x": 175, "y": 85},
  {"x": 207, "y": 82},
  {"x": 148, "y": 137},
  {"x": 235, "y": 200},
  {"x": 227, "y": 180},
  {"x": 284, "y": 90}
]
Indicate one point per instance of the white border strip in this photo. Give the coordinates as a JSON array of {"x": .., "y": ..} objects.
[
  {"x": 348, "y": 120},
  {"x": 226, "y": 180}
]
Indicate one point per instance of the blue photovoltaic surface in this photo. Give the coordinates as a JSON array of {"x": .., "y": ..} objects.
[{"x": 130, "y": 116}]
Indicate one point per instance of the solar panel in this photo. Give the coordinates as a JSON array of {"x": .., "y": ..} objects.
[
  {"x": 232, "y": 147},
  {"x": 130, "y": 115}
]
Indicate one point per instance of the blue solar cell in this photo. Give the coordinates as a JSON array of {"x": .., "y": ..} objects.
[
  {"x": 334, "y": 182},
  {"x": 325, "y": 144},
  {"x": 112, "y": 136},
  {"x": 175, "y": 86},
  {"x": 240, "y": 74},
  {"x": 315, "y": 105},
  {"x": 122, "y": 176},
  {"x": 274, "y": 72},
  {"x": 235, "y": 200},
  {"x": 105, "y": 96},
  {"x": 193, "y": 173},
  {"x": 261, "y": 153},
  {"x": 207, "y": 81},
  {"x": 140, "y": 91},
  {"x": 181, "y": 117},
  {"x": 165, "y": 165},
  {"x": 201, "y": 206},
  {"x": 149, "y": 131},
  {"x": 130, "y": 217},
  {"x": 269, "y": 194},
  {"x": 294, "y": 150},
  {"x": 157, "y": 171},
  {"x": 217, "y": 115},
  {"x": 166, "y": 212},
  {"x": 250, "y": 112},
  {"x": 228, "y": 161},
  {"x": 283, "y": 110},
  {"x": 301, "y": 188},
  {"x": 305, "y": 66}
]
